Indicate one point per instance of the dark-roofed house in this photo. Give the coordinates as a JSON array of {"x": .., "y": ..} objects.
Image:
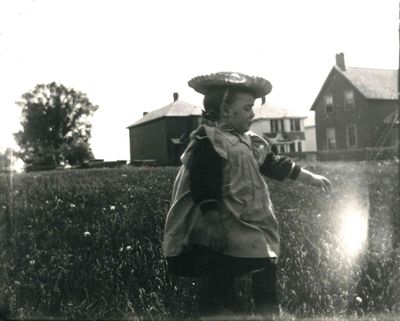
[
  {"x": 281, "y": 127},
  {"x": 352, "y": 113},
  {"x": 160, "y": 136}
]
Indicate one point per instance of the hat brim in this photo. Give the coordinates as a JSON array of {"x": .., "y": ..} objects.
[{"x": 259, "y": 87}]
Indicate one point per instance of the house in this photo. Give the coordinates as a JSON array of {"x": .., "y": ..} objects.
[
  {"x": 309, "y": 129},
  {"x": 281, "y": 127},
  {"x": 356, "y": 112},
  {"x": 161, "y": 136}
]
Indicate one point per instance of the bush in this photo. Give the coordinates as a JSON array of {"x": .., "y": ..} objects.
[{"x": 87, "y": 243}]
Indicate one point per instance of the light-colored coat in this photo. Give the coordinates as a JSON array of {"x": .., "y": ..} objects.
[{"x": 246, "y": 209}]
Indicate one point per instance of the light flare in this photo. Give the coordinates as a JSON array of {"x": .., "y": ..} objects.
[{"x": 353, "y": 229}]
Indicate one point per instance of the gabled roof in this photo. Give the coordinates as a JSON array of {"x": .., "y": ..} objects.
[
  {"x": 269, "y": 111},
  {"x": 371, "y": 83},
  {"x": 178, "y": 108}
]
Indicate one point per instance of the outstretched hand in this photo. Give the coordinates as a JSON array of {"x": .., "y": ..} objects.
[{"x": 320, "y": 181}]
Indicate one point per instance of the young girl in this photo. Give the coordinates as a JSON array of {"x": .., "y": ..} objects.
[{"x": 221, "y": 223}]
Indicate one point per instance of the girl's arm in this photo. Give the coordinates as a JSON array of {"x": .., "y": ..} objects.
[
  {"x": 279, "y": 167},
  {"x": 310, "y": 178},
  {"x": 282, "y": 167}
]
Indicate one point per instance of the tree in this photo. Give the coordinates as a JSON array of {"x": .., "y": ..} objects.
[
  {"x": 5, "y": 160},
  {"x": 55, "y": 126}
]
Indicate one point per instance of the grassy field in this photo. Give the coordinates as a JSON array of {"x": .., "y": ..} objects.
[{"x": 87, "y": 244}]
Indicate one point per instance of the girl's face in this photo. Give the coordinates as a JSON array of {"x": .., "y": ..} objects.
[{"x": 239, "y": 113}]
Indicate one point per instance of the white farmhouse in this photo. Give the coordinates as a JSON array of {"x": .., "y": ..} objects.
[
  {"x": 281, "y": 127},
  {"x": 311, "y": 141}
]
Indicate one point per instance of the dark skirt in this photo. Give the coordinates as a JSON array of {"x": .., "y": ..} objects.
[{"x": 202, "y": 261}]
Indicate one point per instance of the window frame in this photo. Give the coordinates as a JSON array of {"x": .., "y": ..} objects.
[
  {"x": 346, "y": 100},
  {"x": 282, "y": 125},
  {"x": 295, "y": 125},
  {"x": 275, "y": 122},
  {"x": 327, "y": 138},
  {"x": 299, "y": 147},
  {"x": 330, "y": 98},
  {"x": 348, "y": 137}
]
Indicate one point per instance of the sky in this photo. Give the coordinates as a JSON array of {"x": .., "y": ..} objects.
[{"x": 130, "y": 56}]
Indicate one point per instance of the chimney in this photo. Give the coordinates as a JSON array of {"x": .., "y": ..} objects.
[
  {"x": 145, "y": 113},
  {"x": 176, "y": 96},
  {"x": 340, "y": 61}
]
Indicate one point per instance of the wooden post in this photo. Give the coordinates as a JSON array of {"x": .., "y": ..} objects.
[
  {"x": 396, "y": 217},
  {"x": 398, "y": 111}
]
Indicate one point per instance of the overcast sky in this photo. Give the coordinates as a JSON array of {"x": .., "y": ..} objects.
[{"x": 130, "y": 56}]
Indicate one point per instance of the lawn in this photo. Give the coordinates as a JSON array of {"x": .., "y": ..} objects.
[{"x": 87, "y": 244}]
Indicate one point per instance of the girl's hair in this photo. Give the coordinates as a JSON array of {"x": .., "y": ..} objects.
[{"x": 214, "y": 99}]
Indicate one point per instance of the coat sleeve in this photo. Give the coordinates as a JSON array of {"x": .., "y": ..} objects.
[
  {"x": 279, "y": 167},
  {"x": 205, "y": 172}
]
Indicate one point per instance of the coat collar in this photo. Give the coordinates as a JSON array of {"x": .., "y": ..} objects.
[{"x": 244, "y": 138}]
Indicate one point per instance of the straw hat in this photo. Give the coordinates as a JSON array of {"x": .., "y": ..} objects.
[{"x": 258, "y": 86}]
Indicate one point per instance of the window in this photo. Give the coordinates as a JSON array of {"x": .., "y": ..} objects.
[
  {"x": 349, "y": 99},
  {"x": 292, "y": 147},
  {"x": 295, "y": 125},
  {"x": 329, "y": 104},
  {"x": 282, "y": 148},
  {"x": 331, "y": 138},
  {"x": 277, "y": 125},
  {"x": 281, "y": 125},
  {"x": 299, "y": 148},
  {"x": 351, "y": 136},
  {"x": 274, "y": 125}
]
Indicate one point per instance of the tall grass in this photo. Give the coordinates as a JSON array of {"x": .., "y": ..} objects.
[{"x": 87, "y": 243}]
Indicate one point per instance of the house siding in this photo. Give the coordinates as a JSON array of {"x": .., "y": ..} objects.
[
  {"x": 341, "y": 117},
  {"x": 378, "y": 110},
  {"x": 310, "y": 142},
  {"x": 261, "y": 126},
  {"x": 148, "y": 141},
  {"x": 367, "y": 117},
  {"x": 153, "y": 140}
]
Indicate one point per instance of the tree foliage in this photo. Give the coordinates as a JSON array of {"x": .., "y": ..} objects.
[
  {"x": 5, "y": 160},
  {"x": 55, "y": 126}
]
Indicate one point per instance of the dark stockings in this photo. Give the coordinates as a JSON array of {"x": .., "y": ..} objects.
[
  {"x": 217, "y": 294},
  {"x": 264, "y": 291}
]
